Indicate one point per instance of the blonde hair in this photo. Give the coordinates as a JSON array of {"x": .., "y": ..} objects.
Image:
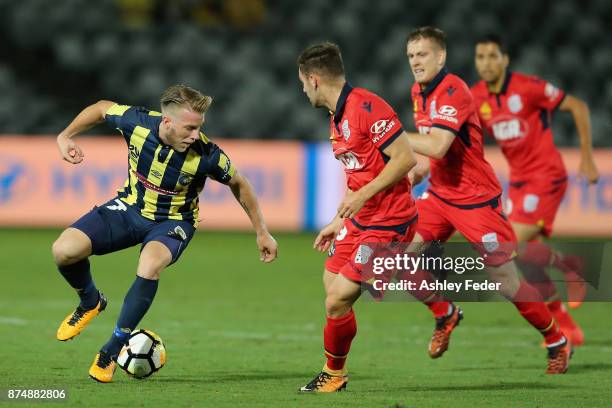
[{"x": 182, "y": 95}]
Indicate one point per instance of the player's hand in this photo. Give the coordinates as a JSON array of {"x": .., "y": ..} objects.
[
  {"x": 268, "y": 248},
  {"x": 323, "y": 241},
  {"x": 70, "y": 151},
  {"x": 352, "y": 203},
  {"x": 418, "y": 174},
  {"x": 588, "y": 170}
]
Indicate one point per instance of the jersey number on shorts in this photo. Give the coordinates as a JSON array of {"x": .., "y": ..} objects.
[{"x": 119, "y": 207}]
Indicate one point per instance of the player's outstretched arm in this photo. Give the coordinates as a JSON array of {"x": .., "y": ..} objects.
[
  {"x": 435, "y": 144},
  {"x": 245, "y": 195},
  {"x": 401, "y": 160},
  {"x": 88, "y": 118},
  {"x": 581, "y": 114}
]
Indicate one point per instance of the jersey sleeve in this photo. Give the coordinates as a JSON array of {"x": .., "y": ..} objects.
[
  {"x": 453, "y": 108},
  {"x": 379, "y": 122},
  {"x": 220, "y": 167},
  {"x": 545, "y": 95},
  {"x": 122, "y": 118}
]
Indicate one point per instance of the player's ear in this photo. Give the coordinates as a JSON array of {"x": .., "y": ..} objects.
[
  {"x": 505, "y": 60},
  {"x": 314, "y": 81},
  {"x": 442, "y": 57}
]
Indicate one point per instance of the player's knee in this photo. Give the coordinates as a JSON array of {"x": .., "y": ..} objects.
[
  {"x": 507, "y": 276},
  {"x": 151, "y": 267},
  {"x": 336, "y": 306},
  {"x": 65, "y": 253},
  {"x": 150, "y": 274}
]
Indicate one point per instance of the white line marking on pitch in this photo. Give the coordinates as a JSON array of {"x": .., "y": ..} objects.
[{"x": 13, "y": 320}]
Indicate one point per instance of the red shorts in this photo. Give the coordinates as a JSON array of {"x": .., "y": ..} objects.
[
  {"x": 484, "y": 225},
  {"x": 536, "y": 203},
  {"x": 350, "y": 251}
]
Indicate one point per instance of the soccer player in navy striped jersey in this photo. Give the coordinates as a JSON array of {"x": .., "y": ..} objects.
[{"x": 168, "y": 163}]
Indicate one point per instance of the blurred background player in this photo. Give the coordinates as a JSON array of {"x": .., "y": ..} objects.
[
  {"x": 368, "y": 139},
  {"x": 464, "y": 194},
  {"x": 168, "y": 163},
  {"x": 515, "y": 110}
]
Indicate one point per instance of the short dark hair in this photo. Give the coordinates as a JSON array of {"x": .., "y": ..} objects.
[
  {"x": 495, "y": 39},
  {"x": 429, "y": 32},
  {"x": 182, "y": 95},
  {"x": 324, "y": 59}
]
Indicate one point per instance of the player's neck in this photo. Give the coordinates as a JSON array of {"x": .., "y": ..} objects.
[
  {"x": 162, "y": 135},
  {"x": 496, "y": 86},
  {"x": 332, "y": 95}
]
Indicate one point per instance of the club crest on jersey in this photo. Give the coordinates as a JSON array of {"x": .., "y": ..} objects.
[
  {"x": 515, "y": 104},
  {"x": 415, "y": 105},
  {"x": 346, "y": 131},
  {"x": 485, "y": 111},
  {"x": 185, "y": 179}
]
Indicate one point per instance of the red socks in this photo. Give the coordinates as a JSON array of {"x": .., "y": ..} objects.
[
  {"x": 561, "y": 315},
  {"x": 337, "y": 337},
  {"x": 536, "y": 313}
]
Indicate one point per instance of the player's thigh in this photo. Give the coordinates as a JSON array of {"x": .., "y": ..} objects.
[
  {"x": 526, "y": 232},
  {"x": 328, "y": 279},
  {"x": 174, "y": 235},
  {"x": 71, "y": 246},
  {"x": 432, "y": 224}
]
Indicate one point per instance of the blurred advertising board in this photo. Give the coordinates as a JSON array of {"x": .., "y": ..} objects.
[
  {"x": 299, "y": 185},
  {"x": 586, "y": 210},
  {"x": 38, "y": 188}
]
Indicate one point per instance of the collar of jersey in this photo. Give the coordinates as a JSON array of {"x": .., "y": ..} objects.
[
  {"x": 435, "y": 82},
  {"x": 504, "y": 87},
  {"x": 346, "y": 90}
]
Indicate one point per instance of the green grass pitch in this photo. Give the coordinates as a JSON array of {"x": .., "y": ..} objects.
[{"x": 240, "y": 333}]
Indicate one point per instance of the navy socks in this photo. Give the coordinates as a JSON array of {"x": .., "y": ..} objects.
[
  {"x": 78, "y": 275},
  {"x": 135, "y": 306}
]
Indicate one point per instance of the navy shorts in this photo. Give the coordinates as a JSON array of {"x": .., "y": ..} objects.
[{"x": 115, "y": 225}]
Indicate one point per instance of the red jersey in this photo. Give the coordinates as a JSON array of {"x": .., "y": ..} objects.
[
  {"x": 462, "y": 176},
  {"x": 362, "y": 126},
  {"x": 519, "y": 119}
]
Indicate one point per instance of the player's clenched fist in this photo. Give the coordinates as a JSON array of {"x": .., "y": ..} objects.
[{"x": 70, "y": 151}]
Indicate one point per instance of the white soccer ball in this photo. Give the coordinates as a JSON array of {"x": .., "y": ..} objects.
[{"x": 144, "y": 354}]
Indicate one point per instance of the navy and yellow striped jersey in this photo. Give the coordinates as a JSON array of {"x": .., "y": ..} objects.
[{"x": 163, "y": 183}]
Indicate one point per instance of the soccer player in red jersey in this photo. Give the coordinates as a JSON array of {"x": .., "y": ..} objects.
[
  {"x": 515, "y": 110},
  {"x": 368, "y": 139},
  {"x": 464, "y": 194}
]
